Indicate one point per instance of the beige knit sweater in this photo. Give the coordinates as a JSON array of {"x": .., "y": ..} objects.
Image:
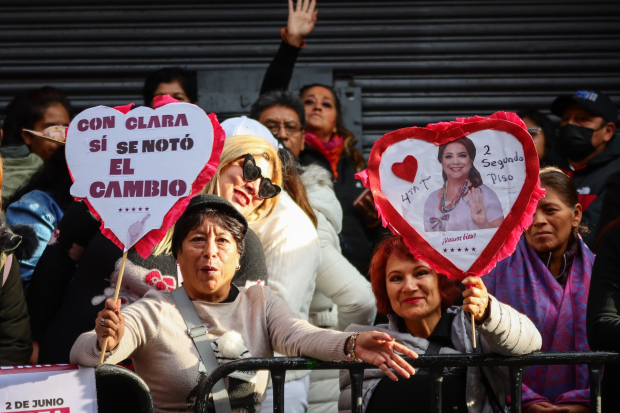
[{"x": 165, "y": 357}]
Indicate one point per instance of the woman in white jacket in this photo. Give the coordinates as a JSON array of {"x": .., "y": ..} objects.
[{"x": 342, "y": 296}]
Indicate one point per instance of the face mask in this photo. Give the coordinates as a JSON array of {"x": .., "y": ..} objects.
[{"x": 577, "y": 141}]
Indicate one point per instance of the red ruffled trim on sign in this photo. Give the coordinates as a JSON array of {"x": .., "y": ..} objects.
[
  {"x": 145, "y": 245},
  {"x": 518, "y": 219}
]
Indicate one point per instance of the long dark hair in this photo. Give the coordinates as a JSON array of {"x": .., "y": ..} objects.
[
  {"x": 27, "y": 109},
  {"x": 473, "y": 176},
  {"x": 292, "y": 184},
  {"x": 347, "y": 135},
  {"x": 53, "y": 179}
]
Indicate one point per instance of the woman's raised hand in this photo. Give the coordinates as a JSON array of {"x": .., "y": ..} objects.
[
  {"x": 476, "y": 204},
  {"x": 301, "y": 21},
  {"x": 113, "y": 324},
  {"x": 379, "y": 349},
  {"x": 476, "y": 299}
]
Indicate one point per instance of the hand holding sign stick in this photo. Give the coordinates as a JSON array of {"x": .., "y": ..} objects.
[{"x": 119, "y": 281}]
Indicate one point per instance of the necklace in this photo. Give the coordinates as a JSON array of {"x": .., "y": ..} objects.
[{"x": 459, "y": 194}]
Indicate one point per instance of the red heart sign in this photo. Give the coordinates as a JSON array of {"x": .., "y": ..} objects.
[
  {"x": 137, "y": 170},
  {"x": 406, "y": 169},
  {"x": 464, "y": 192}
]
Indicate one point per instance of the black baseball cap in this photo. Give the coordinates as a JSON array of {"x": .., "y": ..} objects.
[
  {"x": 593, "y": 101},
  {"x": 209, "y": 201}
]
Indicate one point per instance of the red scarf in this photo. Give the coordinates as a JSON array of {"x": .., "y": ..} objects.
[{"x": 331, "y": 150}]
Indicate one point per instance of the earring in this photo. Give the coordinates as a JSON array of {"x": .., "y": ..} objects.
[{"x": 238, "y": 266}]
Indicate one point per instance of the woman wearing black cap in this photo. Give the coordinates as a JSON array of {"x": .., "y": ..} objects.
[{"x": 239, "y": 322}]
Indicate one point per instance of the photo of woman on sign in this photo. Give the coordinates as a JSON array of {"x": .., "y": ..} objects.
[{"x": 464, "y": 203}]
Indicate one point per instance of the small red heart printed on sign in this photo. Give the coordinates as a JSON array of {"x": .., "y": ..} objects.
[
  {"x": 459, "y": 193},
  {"x": 406, "y": 169}
]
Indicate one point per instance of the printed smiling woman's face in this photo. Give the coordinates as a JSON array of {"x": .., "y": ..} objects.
[
  {"x": 242, "y": 194},
  {"x": 456, "y": 162}
]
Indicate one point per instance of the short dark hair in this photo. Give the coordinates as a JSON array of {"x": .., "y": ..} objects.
[
  {"x": 193, "y": 219},
  {"x": 281, "y": 98},
  {"x": 185, "y": 77},
  {"x": 27, "y": 109},
  {"x": 545, "y": 124}
]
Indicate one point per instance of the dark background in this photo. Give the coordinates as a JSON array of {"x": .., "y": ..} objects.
[{"x": 415, "y": 62}]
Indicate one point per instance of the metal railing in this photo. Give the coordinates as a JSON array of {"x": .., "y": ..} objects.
[{"x": 278, "y": 366}]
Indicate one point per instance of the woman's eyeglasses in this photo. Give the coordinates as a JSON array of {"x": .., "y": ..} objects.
[
  {"x": 251, "y": 173},
  {"x": 534, "y": 132}
]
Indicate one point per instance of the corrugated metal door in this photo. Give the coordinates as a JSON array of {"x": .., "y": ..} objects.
[{"x": 415, "y": 62}]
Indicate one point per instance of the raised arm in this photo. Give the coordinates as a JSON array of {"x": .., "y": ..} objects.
[{"x": 301, "y": 21}]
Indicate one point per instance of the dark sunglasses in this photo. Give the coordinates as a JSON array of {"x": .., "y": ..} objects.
[{"x": 251, "y": 173}]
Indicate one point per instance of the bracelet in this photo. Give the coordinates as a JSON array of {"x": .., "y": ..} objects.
[{"x": 351, "y": 348}]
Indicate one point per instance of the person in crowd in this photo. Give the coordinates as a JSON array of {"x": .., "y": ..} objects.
[
  {"x": 15, "y": 338},
  {"x": 420, "y": 305},
  {"x": 326, "y": 141},
  {"x": 177, "y": 82},
  {"x": 41, "y": 205},
  {"x": 207, "y": 243},
  {"x": 342, "y": 296},
  {"x": 610, "y": 208},
  {"x": 464, "y": 203},
  {"x": 22, "y": 151},
  {"x": 603, "y": 314},
  {"x": 588, "y": 148},
  {"x": 542, "y": 130},
  {"x": 548, "y": 278},
  {"x": 292, "y": 252},
  {"x": 64, "y": 297}
]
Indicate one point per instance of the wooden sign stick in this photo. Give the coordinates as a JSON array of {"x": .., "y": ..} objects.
[
  {"x": 118, "y": 288},
  {"x": 473, "y": 330}
]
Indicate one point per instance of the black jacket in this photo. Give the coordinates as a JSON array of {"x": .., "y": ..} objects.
[
  {"x": 603, "y": 312},
  {"x": 357, "y": 241},
  {"x": 590, "y": 180},
  {"x": 15, "y": 339}
]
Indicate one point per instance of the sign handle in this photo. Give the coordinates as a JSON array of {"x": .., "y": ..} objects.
[
  {"x": 118, "y": 288},
  {"x": 473, "y": 330}
]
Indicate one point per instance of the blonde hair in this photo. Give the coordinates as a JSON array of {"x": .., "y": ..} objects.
[{"x": 235, "y": 148}]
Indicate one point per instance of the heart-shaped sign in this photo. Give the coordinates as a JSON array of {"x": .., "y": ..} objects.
[
  {"x": 136, "y": 169},
  {"x": 406, "y": 169},
  {"x": 459, "y": 193}
]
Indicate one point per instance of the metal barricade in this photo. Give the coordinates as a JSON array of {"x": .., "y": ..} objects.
[{"x": 516, "y": 365}]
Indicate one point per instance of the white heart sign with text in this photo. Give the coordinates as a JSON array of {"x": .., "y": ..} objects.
[
  {"x": 137, "y": 169},
  {"x": 459, "y": 193}
]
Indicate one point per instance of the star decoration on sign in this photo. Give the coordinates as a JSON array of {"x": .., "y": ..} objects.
[
  {"x": 127, "y": 209},
  {"x": 451, "y": 249},
  {"x": 133, "y": 209},
  {"x": 120, "y": 210},
  {"x": 140, "y": 209},
  {"x": 147, "y": 208},
  {"x": 459, "y": 250},
  {"x": 445, "y": 250},
  {"x": 466, "y": 249},
  {"x": 473, "y": 249}
]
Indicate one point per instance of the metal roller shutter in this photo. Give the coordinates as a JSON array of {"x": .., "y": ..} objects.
[{"x": 415, "y": 62}]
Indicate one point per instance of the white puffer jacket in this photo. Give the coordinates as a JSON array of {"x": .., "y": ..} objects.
[{"x": 342, "y": 295}]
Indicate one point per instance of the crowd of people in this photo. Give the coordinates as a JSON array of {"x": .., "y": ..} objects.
[{"x": 282, "y": 253}]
